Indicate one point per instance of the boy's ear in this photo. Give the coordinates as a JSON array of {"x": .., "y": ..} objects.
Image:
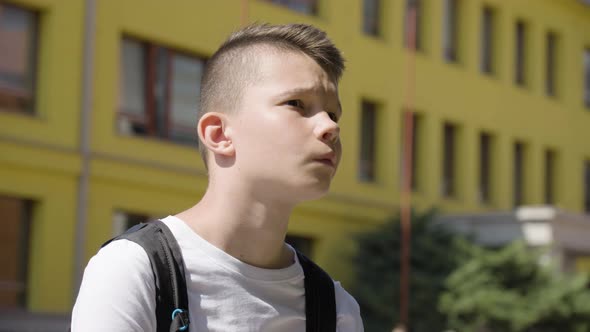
[{"x": 214, "y": 134}]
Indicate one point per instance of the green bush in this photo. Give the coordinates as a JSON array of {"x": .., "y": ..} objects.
[
  {"x": 435, "y": 254},
  {"x": 460, "y": 286}
]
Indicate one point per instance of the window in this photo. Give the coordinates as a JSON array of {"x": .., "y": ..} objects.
[
  {"x": 549, "y": 177},
  {"x": 416, "y": 133},
  {"x": 18, "y": 58},
  {"x": 451, "y": 31},
  {"x": 159, "y": 92},
  {"x": 14, "y": 251},
  {"x": 303, "y": 6},
  {"x": 487, "y": 40},
  {"x": 485, "y": 151},
  {"x": 520, "y": 53},
  {"x": 587, "y": 186},
  {"x": 371, "y": 22},
  {"x": 301, "y": 243},
  {"x": 122, "y": 221},
  {"x": 412, "y": 35},
  {"x": 587, "y": 77},
  {"x": 550, "y": 63},
  {"x": 449, "y": 155},
  {"x": 518, "y": 175},
  {"x": 367, "y": 162}
]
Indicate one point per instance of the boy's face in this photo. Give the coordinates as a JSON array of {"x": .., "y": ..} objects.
[{"x": 285, "y": 131}]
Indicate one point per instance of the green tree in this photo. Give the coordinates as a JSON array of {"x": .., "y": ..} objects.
[
  {"x": 508, "y": 290},
  {"x": 435, "y": 254}
]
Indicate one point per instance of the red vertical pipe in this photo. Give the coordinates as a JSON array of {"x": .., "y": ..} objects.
[{"x": 405, "y": 197}]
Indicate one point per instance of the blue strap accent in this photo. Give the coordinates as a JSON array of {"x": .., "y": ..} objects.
[{"x": 176, "y": 312}]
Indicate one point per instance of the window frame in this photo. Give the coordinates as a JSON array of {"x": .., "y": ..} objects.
[
  {"x": 373, "y": 30},
  {"x": 25, "y": 226},
  {"x": 488, "y": 45},
  {"x": 418, "y": 42},
  {"x": 549, "y": 165},
  {"x": 449, "y": 160},
  {"x": 551, "y": 62},
  {"x": 586, "y": 78},
  {"x": 417, "y": 119},
  {"x": 150, "y": 120},
  {"x": 368, "y": 138},
  {"x": 486, "y": 141},
  {"x": 520, "y": 52},
  {"x": 25, "y": 95},
  {"x": 450, "y": 31},
  {"x": 519, "y": 167},
  {"x": 292, "y": 5},
  {"x": 586, "y": 184}
]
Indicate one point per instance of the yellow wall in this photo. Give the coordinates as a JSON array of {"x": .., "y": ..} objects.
[
  {"x": 40, "y": 158},
  {"x": 461, "y": 94},
  {"x": 36, "y": 174}
]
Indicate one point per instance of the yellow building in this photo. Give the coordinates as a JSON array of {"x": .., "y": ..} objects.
[{"x": 97, "y": 103}]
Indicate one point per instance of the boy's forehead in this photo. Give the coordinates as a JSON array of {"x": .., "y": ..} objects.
[{"x": 282, "y": 72}]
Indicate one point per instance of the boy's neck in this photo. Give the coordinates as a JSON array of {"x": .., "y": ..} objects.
[{"x": 250, "y": 230}]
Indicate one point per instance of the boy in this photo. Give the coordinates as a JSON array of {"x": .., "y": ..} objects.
[{"x": 269, "y": 136}]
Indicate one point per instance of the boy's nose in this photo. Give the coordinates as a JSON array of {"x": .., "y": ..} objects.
[{"x": 328, "y": 130}]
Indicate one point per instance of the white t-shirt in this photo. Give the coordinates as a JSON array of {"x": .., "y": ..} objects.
[{"x": 225, "y": 294}]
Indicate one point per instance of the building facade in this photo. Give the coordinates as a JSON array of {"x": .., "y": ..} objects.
[{"x": 98, "y": 99}]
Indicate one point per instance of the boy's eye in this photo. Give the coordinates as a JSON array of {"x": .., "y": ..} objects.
[
  {"x": 333, "y": 116},
  {"x": 295, "y": 103}
]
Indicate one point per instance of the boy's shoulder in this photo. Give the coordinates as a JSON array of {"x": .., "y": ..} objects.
[{"x": 118, "y": 283}]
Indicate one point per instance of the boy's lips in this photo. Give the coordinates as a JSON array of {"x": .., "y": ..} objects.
[{"x": 328, "y": 159}]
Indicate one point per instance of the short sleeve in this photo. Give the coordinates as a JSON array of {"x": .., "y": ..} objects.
[
  {"x": 117, "y": 291},
  {"x": 348, "y": 311}
]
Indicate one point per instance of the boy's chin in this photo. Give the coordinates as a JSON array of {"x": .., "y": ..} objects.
[{"x": 316, "y": 193}]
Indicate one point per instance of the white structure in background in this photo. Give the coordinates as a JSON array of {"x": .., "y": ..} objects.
[{"x": 566, "y": 234}]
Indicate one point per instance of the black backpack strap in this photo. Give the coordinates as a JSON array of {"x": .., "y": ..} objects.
[
  {"x": 320, "y": 297},
  {"x": 168, "y": 268}
]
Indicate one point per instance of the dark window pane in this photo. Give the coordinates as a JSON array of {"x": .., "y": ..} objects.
[
  {"x": 416, "y": 121},
  {"x": 14, "y": 251},
  {"x": 161, "y": 90},
  {"x": 368, "y": 141},
  {"x": 449, "y": 147},
  {"x": 132, "y": 88},
  {"x": 184, "y": 99},
  {"x": 520, "y": 55},
  {"x": 18, "y": 40},
  {"x": 451, "y": 30},
  {"x": 518, "y": 177},
  {"x": 371, "y": 21},
  {"x": 487, "y": 40},
  {"x": 549, "y": 176},
  {"x": 587, "y": 77},
  {"x": 485, "y": 142},
  {"x": 302, "y": 244},
  {"x": 302, "y": 6},
  {"x": 550, "y": 64}
]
